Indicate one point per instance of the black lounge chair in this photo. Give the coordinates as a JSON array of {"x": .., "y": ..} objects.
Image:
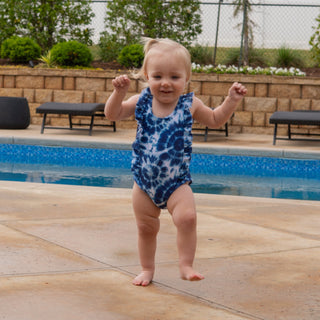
[
  {"x": 14, "y": 113},
  {"x": 74, "y": 109},
  {"x": 301, "y": 117},
  {"x": 205, "y": 131}
]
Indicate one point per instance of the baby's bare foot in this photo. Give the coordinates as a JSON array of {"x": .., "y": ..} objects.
[
  {"x": 143, "y": 279},
  {"x": 187, "y": 273}
]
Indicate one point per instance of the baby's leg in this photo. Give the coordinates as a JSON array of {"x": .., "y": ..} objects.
[
  {"x": 147, "y": 218},
  {"x": 182, "y": 208}
]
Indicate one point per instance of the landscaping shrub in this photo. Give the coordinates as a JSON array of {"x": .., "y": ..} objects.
[
  {"x": 255, "y": 58},
  {"x": 201, "y": 54},
  {"x": 20, "y": 50},
  {"x": 315, "y": 42},
  {"x": 110, "y": 47},
  {"x": 47, "y": 60},
  {"x": 131, "y": 56},
  {"x": 288, "y": 58},
  {"x": 6, "y": 47},
  {"x": 71, "y": 54},
  {"x": 47, "y": 22}
]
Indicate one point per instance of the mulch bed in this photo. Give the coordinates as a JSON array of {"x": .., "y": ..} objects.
[{"x": 311, "y": 72}]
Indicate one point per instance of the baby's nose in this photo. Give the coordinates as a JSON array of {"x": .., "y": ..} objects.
[{"x": 165, "y": 83}]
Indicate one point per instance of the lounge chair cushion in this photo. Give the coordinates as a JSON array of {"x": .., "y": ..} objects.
[
  {"x": 84, "y": 109},
  {"x": 74, "y": 109},
  {"x": 14, "y": 113},
  {"x": 296, "y": 117}
]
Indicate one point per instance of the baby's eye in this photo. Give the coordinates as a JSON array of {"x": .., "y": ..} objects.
[
  {"x": 157, "y": 77},
  {"x": 175, "y": 77}
]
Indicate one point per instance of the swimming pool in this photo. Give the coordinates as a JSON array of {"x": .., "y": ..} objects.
[{"x": 218, "y": 174}]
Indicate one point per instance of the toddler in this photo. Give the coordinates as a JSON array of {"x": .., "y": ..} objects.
[{"x": 162, "y": 149}]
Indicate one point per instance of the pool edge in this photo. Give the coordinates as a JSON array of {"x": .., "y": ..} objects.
[{"x": 216, "y": 150}]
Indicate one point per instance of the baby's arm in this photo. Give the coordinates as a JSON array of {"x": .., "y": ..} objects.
[
  {"x": 116, "y": 108},
  {"x": 220, "y": 115}
]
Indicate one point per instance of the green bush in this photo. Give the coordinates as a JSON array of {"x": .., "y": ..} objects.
[
  {"x": 288, "y": 58},
  {"x": 47, "y": 60},
  {"x": 110, "y": 47},
  {"x": 6, "y": 47},
  {"x": 71, "y": 54},
  {"x": 47, "y": 22},
  {"x": 131, "y": 56},
  {"x": 315, "y": 42},
  {"x": 201, "y": 54},
  {"x": 20, "y": 49},
  {"x": 256, "y": 58}
]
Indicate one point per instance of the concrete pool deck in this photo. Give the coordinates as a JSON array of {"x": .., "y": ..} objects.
[{"x": 69, "y": 252}]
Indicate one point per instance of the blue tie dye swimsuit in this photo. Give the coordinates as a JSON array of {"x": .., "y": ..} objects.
[{"x": 162, "y": 149}]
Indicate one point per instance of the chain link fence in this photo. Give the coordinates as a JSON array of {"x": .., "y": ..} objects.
[
  {"x": 275, "y": 24},
  {"x": 281, "y": 23}
]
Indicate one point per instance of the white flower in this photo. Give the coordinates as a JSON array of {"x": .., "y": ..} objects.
[{"x": 247, "y": 70}]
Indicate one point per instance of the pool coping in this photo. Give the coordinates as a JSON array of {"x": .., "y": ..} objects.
[{"x": 216, "y": 150}]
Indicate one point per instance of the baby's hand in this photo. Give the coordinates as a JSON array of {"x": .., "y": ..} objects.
[
  {"x": 121, "y": 83},
  {"x": 237, "y": 91}
]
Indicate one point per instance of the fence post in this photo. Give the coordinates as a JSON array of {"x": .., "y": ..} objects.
[
  {"x": 217, "y": 32},
  {"x": 243, "y": 30}
]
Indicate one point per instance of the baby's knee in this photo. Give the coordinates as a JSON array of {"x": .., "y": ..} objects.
[
  {"x": 187, "y": 220},
  {"x": 147, "y": 229}
]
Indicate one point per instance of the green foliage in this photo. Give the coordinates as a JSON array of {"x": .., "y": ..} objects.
[
  {"x": 110, "y": 47},
  {"x": 288, "y": 58},
  {"x": 20, "y": 49},
  {"x": 129, "y": 20},
  {"x": 131, "y": 56},
  {"x": 268, "y": 56},
  {"x": 255, "y": 58},
  {"x": 7, "y": 21},
  {"x": 95, "y": 50},
  {"x": 47, "y": 22},
  {"x": 6, "y": 46},
  {"x": 315, "y": 42},
  {"x": 48, "y": 60},
  {"x": 71, "y": 53},
  {"x": 201, "y": 54}
]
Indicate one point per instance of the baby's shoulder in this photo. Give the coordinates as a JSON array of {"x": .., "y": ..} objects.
[{"x": 196, "y": 104}]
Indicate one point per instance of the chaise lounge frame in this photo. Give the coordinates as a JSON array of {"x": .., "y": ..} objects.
[
  {"x": 74, "y": 109},
  {"x": 299, "y": 117},
  {"x": 206, "y": 130}
]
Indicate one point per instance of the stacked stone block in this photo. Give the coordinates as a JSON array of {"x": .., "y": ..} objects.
[{"x": 266, "y": 94}]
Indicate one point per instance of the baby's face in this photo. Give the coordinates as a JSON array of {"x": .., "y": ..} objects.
[{"x": 167, "y": 75}]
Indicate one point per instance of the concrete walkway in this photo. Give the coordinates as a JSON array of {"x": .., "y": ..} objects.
[{"x": 69, "y": 252}]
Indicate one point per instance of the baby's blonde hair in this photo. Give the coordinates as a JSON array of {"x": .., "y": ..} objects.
[{"x": 165, "y": 44}]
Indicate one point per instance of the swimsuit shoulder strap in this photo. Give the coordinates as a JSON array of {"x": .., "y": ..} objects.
[{"x": 145, "y": 100}]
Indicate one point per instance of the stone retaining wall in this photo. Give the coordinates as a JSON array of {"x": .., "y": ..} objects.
[{"x": 266, "y": 94}]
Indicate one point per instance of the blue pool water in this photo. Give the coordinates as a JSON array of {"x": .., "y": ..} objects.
[{"x": 215, "y": 174}]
